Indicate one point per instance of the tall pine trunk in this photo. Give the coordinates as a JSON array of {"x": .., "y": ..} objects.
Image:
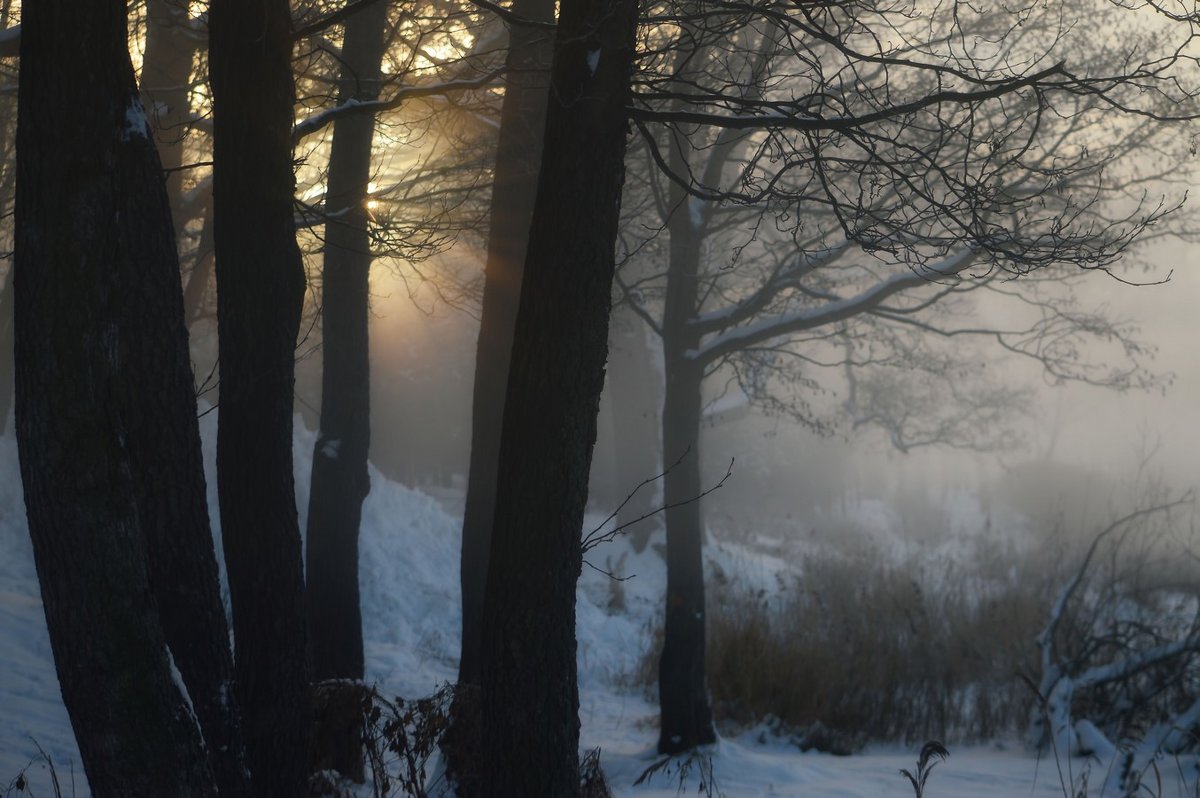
[
  {"x": 110, "y": 455},
  {"x": 686, "y": 719},
  {"x": 260, "y": 291},
  {"x": 339, "y": 475},
  {"x": 529, "y": 687},
  {"x": 514, "y": 188}
]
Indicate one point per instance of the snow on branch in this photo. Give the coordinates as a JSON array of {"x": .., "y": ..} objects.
[
  {"x": 838, "y": 309},
  {"x": 786, "y": 277},
  {"x": 775, "y": 116},
  {"x": 322, "y": 119}
]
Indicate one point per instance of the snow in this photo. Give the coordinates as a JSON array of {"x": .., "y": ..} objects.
[
  {"x": 837, "y": 309},
  {"x": 330, "y": 447},
  {"x": 136, "y": 125},
  {"x": 411, "y": 617}
]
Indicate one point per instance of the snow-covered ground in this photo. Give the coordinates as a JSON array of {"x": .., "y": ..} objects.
[{"x": 411, "y": 618}]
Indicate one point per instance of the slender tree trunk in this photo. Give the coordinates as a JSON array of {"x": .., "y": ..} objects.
[
  {"x": 6, "y": 350},
  {"x": 339, "y": 475},
  {"x": 634, "y": 383},
  {"x": 106, "y": 421},
  {"x": 196, "y": 286},
  {"x": 514, "y": 188},
  {"x": 686, "y": 719},
  {"x": 165, "y": 85},
  {"x": 7, "y": 186},
  {"x": 529, "y": 688},
  {"x": 260, "y": 290}
]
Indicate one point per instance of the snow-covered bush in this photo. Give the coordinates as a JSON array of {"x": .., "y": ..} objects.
[{"x": 1119, "y": 651}]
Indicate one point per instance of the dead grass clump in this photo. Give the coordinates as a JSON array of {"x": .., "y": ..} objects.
[{"x": 871, "y": 650}]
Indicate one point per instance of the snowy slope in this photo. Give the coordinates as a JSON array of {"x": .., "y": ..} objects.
[{"x": 409, "y": 574}]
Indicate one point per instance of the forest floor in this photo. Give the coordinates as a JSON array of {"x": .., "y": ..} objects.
[{"x": 411, "y": 624}]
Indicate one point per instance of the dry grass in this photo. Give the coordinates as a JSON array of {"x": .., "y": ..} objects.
[{"x": 902, "y": 651}]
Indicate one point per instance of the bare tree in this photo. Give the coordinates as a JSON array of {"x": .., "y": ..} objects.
[
  {"x": 868, "y": 183},
  {"x": 517, "y": 159},
  {"x": 530, "y": 735},
  {"x": 260, "y": 282},
  {"x": 339, "y": 477}
]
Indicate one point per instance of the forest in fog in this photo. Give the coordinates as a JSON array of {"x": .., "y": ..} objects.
[{"x": 599, "y": 397}]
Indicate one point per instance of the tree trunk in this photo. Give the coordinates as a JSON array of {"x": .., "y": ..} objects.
[
  {"x": 529, "y": 689},
  {"x": 6, "y": 350},
  {"x": 634, "y": 383},
  {"x": 196, "y": 287},
  {"x": 165, "y": 83},
  {"x": 260, "y": 290},
  {"x": 339, "y": 475},
  {"x": 105, "y": 409},
  {"x": 514, "y": 188},
  {"x": 683, "y": 698}
]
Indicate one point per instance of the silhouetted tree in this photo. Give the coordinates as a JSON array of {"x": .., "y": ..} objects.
[
  {"x": 514, "y": 187},
  {"x": 865, "y": 188},
  {"x": 529, "y": 687},
  {"x": 106, "y": 424},
  {"x": 339, "y": 476},
  {"x": 260, "y": 291}
]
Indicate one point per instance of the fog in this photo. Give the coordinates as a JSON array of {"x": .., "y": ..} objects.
[{"x": 1075, "y": 441}]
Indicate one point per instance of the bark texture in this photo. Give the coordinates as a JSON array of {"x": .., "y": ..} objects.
[
  {"x": 686, "y": 719},
  {"x": 6, "y": 350},
  {"x": 260, "y": 290},
  {"x": 529, "y": 687},
  {"x": 339, "y": 476},
  {"x": 514, "y": 188},
  {"x": 110, "y": 454}
]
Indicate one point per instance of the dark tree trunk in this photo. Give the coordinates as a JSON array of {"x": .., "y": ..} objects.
[
  {"x": 635, "y": 386},
  {"x": 260, "y": 290},
  {"x": 6, "y": 350},
  {"x": 199, "y": 277},
  {"x": 8, "y": 108},
  {"x": 529, "y": 689},
  {"x": 686, "y": 719},
  {"x": 339, "y": 475},
  {"x": 110, "y": 455},
  {"x": 514, "y": 188}
]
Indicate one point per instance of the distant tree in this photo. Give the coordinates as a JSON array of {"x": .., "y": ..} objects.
[
  {"x": 529, "y": 688},
  {"x": 260, "y": 292},
  {"x": 871, "y": 183},
  {"x": 339, "y": 477},
  {"x": 514, "y": 187},
  {"x": 106, "y": 423}
]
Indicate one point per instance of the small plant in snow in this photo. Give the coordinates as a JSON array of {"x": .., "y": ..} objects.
[
  {"x": 931, "y": 753},
  {"x": 592, "y": 783},
  {"x": 402, "y": 735},
  {"x": 697, "y": 760},
  {"x": 20, "y": 785}
]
